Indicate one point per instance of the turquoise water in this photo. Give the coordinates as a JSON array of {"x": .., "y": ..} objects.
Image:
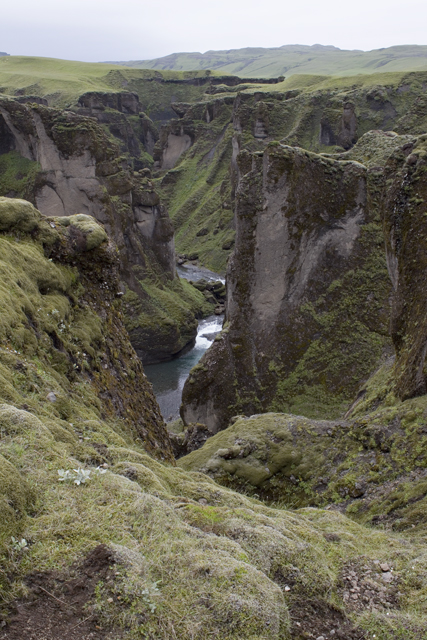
[{"x": 168, "y": 378}]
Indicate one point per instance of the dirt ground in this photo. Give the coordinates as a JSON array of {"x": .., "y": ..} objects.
[{"x": 58, "y": 606}]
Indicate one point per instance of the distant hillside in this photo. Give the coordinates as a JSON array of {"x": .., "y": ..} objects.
[
  {"x": 61, "y": 82},
  {"x": 293, "y": 59}
]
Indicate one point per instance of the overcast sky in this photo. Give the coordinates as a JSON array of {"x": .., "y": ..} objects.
[{"x": 95, "y": 30}]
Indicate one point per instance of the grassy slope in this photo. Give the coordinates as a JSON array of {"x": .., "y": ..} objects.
[
  {"x": 45, "y": 76},
  {"x": 293, "y": 59},
  {"x": 61, "y": 82},
  {"x": 192, "y": 560},
  {"x": 372, "y": 466}
]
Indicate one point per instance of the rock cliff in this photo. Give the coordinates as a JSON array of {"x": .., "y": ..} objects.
[
  {"x": 203, "y": 141},
  {"x": 122, "y": 115},
  {"x": 60, "y": 308},
  {"x": 71, "y": 167},
  {"x": 405, "y": 219},
  {"x": 308, "y": 289}
]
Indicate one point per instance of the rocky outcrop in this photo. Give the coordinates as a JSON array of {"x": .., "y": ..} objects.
[
  {"x": 80, "y": 171},
  {"x": 357, "y": 463},
  {"x": 205, "y": 139},
  {"x": 60, "y": 304},
  {"x": 405, "y": 221},
  {"x": 307, "y": 291},
  {"x": 341, "y": 133},
  {"x": 128, "y": 125},
  {"x": 123, "y": 101}
]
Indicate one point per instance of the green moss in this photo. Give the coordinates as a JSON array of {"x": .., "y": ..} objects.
[
  {"x": 373, "y": 463},
  {"x": 198, "y": 191},
  {"x": 17, "y": 175},
  {"x": 17, "y": 215},
  {"x": 15, "y": 497},
  {"x": 52, "y": 336},
  {"x": 95, "y": 235},
  {"x": 192, "y": 537}
]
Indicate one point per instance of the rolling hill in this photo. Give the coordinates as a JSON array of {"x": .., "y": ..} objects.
[{"x": 293, "y": 59}]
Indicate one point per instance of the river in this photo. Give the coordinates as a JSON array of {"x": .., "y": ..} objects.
[
  {"x": 193, "y": 272},
  {"x": 168, "y": 378}
]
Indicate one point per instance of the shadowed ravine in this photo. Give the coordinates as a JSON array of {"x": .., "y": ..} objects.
[{"x": 168, "y": 378}]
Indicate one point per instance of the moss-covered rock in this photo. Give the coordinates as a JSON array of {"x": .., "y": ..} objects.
[
  {"x": 61, "y": 326},
  {"x": 81, "y": 173},
  {"x": 17, "y": 215},
  {"x": 299, "y": 461},
  {"x": 405, "y": 222},
  {"x": 307, "y": 291},
  {"x": 187, "y": 554},
  {"x": 94, "y": 235}
]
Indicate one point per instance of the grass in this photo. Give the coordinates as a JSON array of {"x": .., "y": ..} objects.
[
  {"x": 61, "y": 82},
  {"x": 194, "y": 560}
]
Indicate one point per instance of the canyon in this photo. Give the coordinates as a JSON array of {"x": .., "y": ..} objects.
[{"x": 289, "y": 501}]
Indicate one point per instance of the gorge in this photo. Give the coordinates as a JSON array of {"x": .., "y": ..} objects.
[{"x": 290, "y": 500}]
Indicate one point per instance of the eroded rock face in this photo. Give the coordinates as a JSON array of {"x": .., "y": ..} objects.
[
  {"x": 308, "y": 291},
  {"x": 81, "y": 173},
  {"x": 72, "y": 320},
  {"x": 405, "y": 223},
  {"x": 115, "y": 110},
  {"x": 320, "y": 120},
  {"x": 123, "y": 101},
  {"x": 340, "y": 132},
  {"x": 175, "y": 139}
]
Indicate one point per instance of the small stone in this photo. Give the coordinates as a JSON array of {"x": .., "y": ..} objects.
[
  {"x": 203, "y": 501},
  {"x": 110, "y": 600},
  {"x": 387, "y": 576},
  {"x": 287, "y": 588},
  {"x": 384, "y": 567},
  {"x": 320, "y": 638},
  {"x": 51, "y": 397}
]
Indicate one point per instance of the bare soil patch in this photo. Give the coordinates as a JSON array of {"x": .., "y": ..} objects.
[{"x": 59, "y": 604}]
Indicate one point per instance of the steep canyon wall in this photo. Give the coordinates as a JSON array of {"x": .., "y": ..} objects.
[
  {"x": 74, "y": 167},
  {"x": 309, "y": 292}
]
